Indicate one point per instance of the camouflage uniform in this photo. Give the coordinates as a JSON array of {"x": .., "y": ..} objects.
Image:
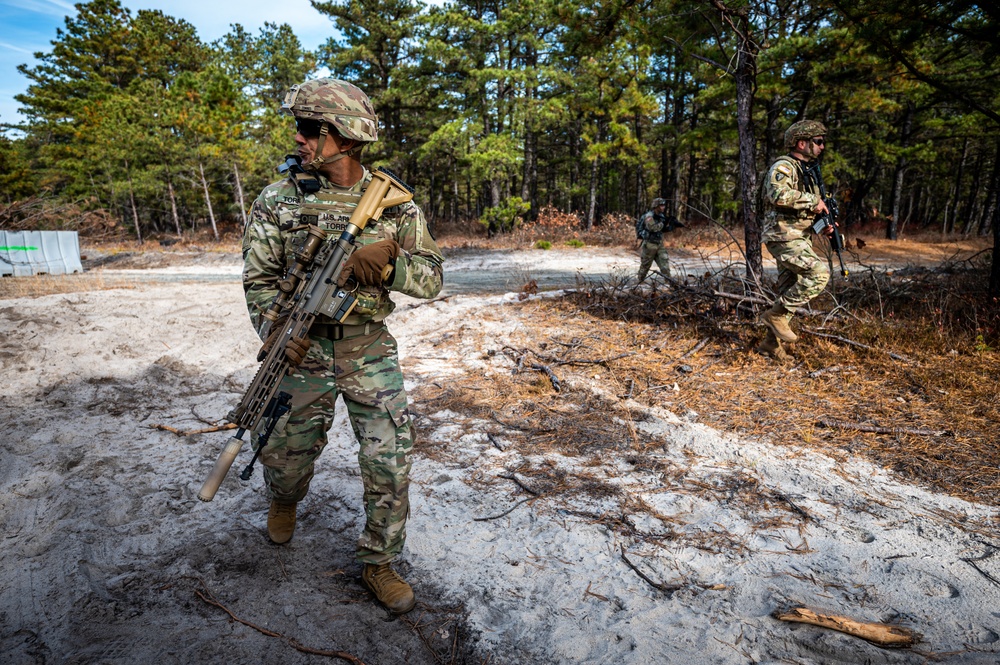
[
  {"x": 362, "y": 365},
  {"x": 652, "y": 247},
  {"x": 802, "y": 275}
]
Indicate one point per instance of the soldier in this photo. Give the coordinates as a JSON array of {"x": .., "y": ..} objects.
[
  {"x": 650, "y": 228},
  {"x": 334, "y": 121},
  {"x": 791, "y": 203}
]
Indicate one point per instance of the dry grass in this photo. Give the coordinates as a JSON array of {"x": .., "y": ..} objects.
[
  {"x": 676, "y": 347},
  {"x": 44, "y": 285}
]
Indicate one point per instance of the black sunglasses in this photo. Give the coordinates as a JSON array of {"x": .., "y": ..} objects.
[
  {"x": 310, "y": 129},
  {"x": 816, "y": 141}
]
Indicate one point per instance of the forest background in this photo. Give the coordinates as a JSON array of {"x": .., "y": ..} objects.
[{"x": 501, "y": 113}]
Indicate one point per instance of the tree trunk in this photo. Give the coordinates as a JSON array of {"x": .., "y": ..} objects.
[
  {"x": 131, "y": 198},
  {"x": 173, "y": 206},
  {"x": 949, "y": 221},
  {"x": 992, "y": 198},
  {"x": 892, "y": 227},
  {"x": 969, "y": 209},
  {"x": 208, "y": 200},
  {"x": 746, "y": 74},
  {"x": 592, "y": 205},
  {"x": 239, "y": 195},
  {"x": 574, "y": 164},
  {"x": 994, "y": 291},
  {"x": 856, "y": 210}
]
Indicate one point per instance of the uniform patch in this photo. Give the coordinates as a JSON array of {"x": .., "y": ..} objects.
[
  {"x": 779, "y": 176},
  {"x": 287, "y": 199},
  {"x": 783, "y": 169}
]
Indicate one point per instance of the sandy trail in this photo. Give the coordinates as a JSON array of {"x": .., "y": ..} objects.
[{"x": 108, "y": 557}]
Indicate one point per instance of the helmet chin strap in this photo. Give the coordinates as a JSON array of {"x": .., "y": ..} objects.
[{"x": 319, "y": 160}]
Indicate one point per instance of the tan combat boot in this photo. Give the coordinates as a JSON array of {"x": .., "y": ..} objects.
[
  {"x": 776, "y": 319},
  {"x": 281, "y": 522},
  {"x": 772, "y": 348},
  {"x": 389, "y": 588}
]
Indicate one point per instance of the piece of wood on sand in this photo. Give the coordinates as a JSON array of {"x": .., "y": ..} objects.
[{"x": 881, "y": 634}]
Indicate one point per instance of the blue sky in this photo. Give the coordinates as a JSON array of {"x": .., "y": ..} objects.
[{"x": 30, "y": 26}]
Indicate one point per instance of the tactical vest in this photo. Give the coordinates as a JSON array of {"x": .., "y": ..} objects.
[
  {"x": 331, "y": 210},
  {"x": 781, "y": 222}
]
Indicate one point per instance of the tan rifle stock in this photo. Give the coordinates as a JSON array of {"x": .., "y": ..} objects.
[{"x": 309, "y": 288}]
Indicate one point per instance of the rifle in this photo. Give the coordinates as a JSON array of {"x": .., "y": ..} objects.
[
  {"x": 828, "y": 219},
  {"x": 307, "y": 289}
]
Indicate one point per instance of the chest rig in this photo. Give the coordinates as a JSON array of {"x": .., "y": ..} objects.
[{"x": 330, "y": 211}]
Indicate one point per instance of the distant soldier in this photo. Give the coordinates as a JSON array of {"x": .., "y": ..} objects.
[
  {"x": 791, "y": 203},
  {"x": 650, "y": 229},
  {"x": 334, "y": 121}
]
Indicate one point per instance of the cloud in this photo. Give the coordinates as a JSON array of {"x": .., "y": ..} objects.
[
  {"x": 50, "y": 7},
  {"x": 16, "y": 48}
]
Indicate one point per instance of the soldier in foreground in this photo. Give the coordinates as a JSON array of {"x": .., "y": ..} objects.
[
  {"x": 358, "y": 358},
  {"x": 650, "y": 229},
  {"x": 791, "y": 203}
]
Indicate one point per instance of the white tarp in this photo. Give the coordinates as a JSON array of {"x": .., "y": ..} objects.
[{"x": 39, "y": 253}]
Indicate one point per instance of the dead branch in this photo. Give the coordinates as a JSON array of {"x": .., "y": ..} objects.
[
  {"x": 696, "y": 348},
  {"x": 972, "y": 562},
  {"x": 549, "y": 373},
  {"x": 735, "y": 296},
  {"x": 426, "y": 302},
  {"x": 795, "y": 507},
  {"x": 825, "y": 370},
  {"x": 880, "y": 634},
  {"x": 496, "y": 444},
  {"x": 851, "y": 342},
  {"x": 214, "y": 428},
  {"x": 840, "y": 424},
  {"x": 519, "y": 483},
  {"x": 295, "y": 644},
  {"x": 506, "y": 512},
  {"x": 668, "y": 589}
]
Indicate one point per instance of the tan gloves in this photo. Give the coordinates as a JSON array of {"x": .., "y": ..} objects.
[
  {"x": 295, "y": 350},
  {"x": 367, "y": 264}
]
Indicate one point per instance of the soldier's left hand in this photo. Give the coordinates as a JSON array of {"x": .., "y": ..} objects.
[{"x": 367, "y": 264}]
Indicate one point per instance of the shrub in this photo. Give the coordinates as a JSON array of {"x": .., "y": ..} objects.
[
  {"x": 543, "y": 244},
  {"x": 505, "y": 217}
]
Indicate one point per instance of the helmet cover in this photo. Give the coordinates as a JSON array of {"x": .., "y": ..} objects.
[
  {"x": 344, "y": 105},
  {"x": 803, "y": 130}
]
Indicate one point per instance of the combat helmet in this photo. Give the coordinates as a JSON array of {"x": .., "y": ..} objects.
[
  {"x": 659, "y": 202},
  {"x": 337, "y": 104},
  {"x": 803, "y": 129}
]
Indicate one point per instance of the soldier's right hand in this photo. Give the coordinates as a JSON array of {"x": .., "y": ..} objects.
[
  {"x": 821, "y": 208},
  {"x": 368, "y": 263}
]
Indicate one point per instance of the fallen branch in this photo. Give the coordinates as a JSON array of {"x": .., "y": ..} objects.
[
  {"x": 696, "y": 348},
  {"x": 825, "y": 370},
  {"x": 851, "y": 342},
  {"x": 736, "y": 296},
  {"x": 215, "y": 428},
  {"x": 668, "y": 589},
  {"x": 496, "y": 444},
  {"x": 427, "y": 302},
  {"x": 972, "y": 562},
  {"x": 504, "y": 513},
  {"x": 880, "y": 634},
  {"x": 295, "y": 644},
  {"x": 839, "y": 424},
  {"x": 519, "y": 483},
  {"x": 549, "y": 373}
]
